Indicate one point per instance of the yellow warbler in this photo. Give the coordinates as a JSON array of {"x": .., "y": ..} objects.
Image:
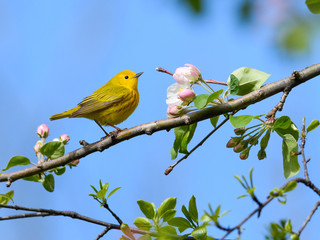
[{"x": 111, "y": 104}]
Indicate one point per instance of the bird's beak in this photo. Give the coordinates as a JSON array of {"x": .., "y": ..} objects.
[{"x": 138, "y": 75}]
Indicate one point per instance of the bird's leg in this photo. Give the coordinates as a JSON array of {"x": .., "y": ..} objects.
[
  {"x": 107, "y": 134},
  {"x": 114, "y": 133}
]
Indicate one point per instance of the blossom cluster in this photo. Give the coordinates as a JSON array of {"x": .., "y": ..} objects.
[
  {"x": 181, "y": 93},
  {"x": 43, "y": 133}
]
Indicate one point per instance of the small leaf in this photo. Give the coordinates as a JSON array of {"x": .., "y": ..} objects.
[
  {"x": 48, "y": 183},
  {"x": 126, "y": 230},
  {"x": 103, "y": 190},
  {"x": 288, "y": 226},
  {"x": 94, "y": 189},
  {"x": 238, "y": 178},
  {"x": 5, "y": 198},
  {"x": 142, "y": 223},
  {"x": 53, "y": 150},
  {"x": 179, "y": 134},
  {"x": 249, "y": 80},
  {"x": 240, "y": 121},
  {"x": 193, "y": 209},
  {"x": 291, "y": 186},
  {"x": 242, "y": 196},
  {"x": 168, "y": 229},
  {"x": 59, "y": 170},
  {"x": 169, "y": 214},
  {"x": 146, "y": 208},
  {"x": 167, "y": 204},
  {"x": 313, "y": 125},
  {"x": 145, "y": 237},
  {"x": 187, "y": 138},
  {"x": 180, "y": 222},
  {"x": 34, "y": 178},
  {"x": 113, "y": 191},
  {"x": 314, "y": 6},
  {"x": 200, "y": 233},
  {"x": 292, "y": 129},
  {"x": 265, "y": 140},
  {"x": 17, "y": 160},
  {"x": 201, "y": 101},
  {"x": 251, "y": 180},
  {"x": 186, "y": 213},
  {"x": 214, "y": 95},
  {"x": 291, "y": 165},
  {"x": 233, "y": 84},
  {"x": 283, "y": 123},
  {"x": 214, "y": 121}
]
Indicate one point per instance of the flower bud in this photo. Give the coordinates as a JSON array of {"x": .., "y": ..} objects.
[
  {"x": 37, "y": 147},
  {"x": 64, "y": 138},
  {"x": 233, "y": 142},
  {"x": 187, "y": 74},
  {"x": 240, "y": 131},
  {"x": 244, "y": 154},
  {"x": 186, "y": 96},
  {"x": 43, "y": 131},
  {"x": 175, "y": 111},
  {"x": 262, "y": 154},
  {"x": 242, "y": 145},
  {"x": 74, "y": 163}
]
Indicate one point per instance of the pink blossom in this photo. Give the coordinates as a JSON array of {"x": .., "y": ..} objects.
[
  {"x": 43, "y": 131},
  {"x": 37, "y": 147},
  {"x": 187, "y": 74},
  {"x": 174, "y": 111},
  {"x": 64, "y": 138},
  {"x": 186, "y": 95}
]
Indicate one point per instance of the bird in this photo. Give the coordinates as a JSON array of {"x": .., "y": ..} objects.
[{"x": 111, "y": 104}]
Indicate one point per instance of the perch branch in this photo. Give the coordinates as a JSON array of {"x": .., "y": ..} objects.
[{"x": 149, "y": 128}]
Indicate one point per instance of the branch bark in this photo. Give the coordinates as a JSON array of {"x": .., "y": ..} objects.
[{"x": 264, "y": 92}]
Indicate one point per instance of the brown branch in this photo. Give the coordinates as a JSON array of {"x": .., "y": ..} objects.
[
  {"x": 104, "y": 232},
  {"x": 303, "y": 143},
  {"x": 149, "y": 128},
  {"x": 314, "y": 209}
]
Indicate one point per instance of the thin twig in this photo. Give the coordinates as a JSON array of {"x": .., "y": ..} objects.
[
  {"x": 271, "y": 115},
  {"x": 170, "y": 168},
  {"x": 314, "y": 209},
  {"x": 216, "y": 82},
  {"x": 25, "y": 215},
  {"x": 160, "y": 69},
  {"x": 303, "y": 142},
  {"x": 104, "y": 232}
]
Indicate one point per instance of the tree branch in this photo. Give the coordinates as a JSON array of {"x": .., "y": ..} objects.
[
  {"x": 149, "y": 128},
  {"x": 314, "y": 209}
]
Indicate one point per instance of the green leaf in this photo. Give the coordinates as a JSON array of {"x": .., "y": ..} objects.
[
  {"x": 288, "y": 226},
  {"x": 242, "y": 196},
  {"x": 145, "y": 237},
  {"x": 233, "y": 85},
  {"x": 313, "y": 125},
  {"x": 193, "y": 209},
  {"x": 146, "y": 208},
  {"x": 113, "y": 191},
  {"x": 214, "y": 95},
  {"x": 251, "y": 179},
  {"x": 168, "y": 229},
  {"x": 291, "y": 186},
  {"x": 167, "y": 204},
  {"x": 126, "y": 230},
  {"x": 186, "y": 213},
  {"x": 53, "y": 149},
  {"x": 5, "y": 198},
  {"x": 48, "y": 183},
  {"x": 265, "y": 140},
  {"x": 240, "y": 121},
  {"x": 291, "y": 165},
  {"x": 282, "y": 122},
  {"x": 292, "y": 129},
  {"x": 201, "y": 101},
  {"x": 249, "y": 80},
  {"x": 34, "y": 178},
  {"x": 59, "y": 170},
  {"x": 179, "y": 134},
  {"x": 200, "y": 233},
  {"x": 214, "y": 121},
  {"x": 187, "y": 138},
  {"x": 94, "y": 189},
  {"x": 314, "y": 6},
  {"x": 181, "y": 223},
  {"x": 169, "y": 214},
  {"x": 142, "y": 223},
  {"x": 103, "y": 190},
  {"x": 17, "y": 160}
]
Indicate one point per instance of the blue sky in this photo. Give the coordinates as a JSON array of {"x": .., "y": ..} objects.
[{"x": 55, "y": 53}]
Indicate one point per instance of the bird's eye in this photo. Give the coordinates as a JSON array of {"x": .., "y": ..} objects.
[{"x": 126, "y": 77}]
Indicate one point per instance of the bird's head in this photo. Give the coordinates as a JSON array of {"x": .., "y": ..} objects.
[{"x": 127, "y": 78}]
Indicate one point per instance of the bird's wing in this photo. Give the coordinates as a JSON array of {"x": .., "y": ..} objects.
[{"x": 99, "y": 101}]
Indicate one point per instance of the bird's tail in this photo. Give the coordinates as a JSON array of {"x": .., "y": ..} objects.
[{"x": 64, "y": 114}]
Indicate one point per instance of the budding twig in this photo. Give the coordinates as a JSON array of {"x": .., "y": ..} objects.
[
  {"x": 170, "y": 168},
  {"x": 159, "y": 69}
]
